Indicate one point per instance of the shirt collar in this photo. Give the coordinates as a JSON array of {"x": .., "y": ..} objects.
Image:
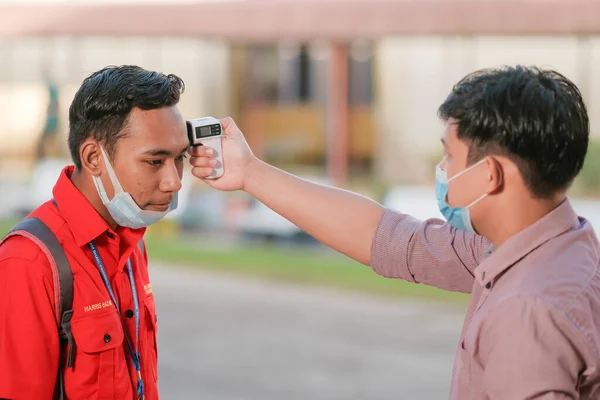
[
  {"x": 560, "y": 220},
  {"x": 85, "y": 222}
]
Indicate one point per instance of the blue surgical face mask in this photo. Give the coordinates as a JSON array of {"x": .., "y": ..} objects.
[
  {"x": 458, "y": 217},
  {"x": 122, "y": 208}
]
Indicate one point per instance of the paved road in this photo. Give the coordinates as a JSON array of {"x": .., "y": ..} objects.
[{"x": 228, "y": 338}]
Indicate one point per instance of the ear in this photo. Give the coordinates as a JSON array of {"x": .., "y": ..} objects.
[
  {"x": 91, "y": 157},
  {"x": 495, "y": 174}
]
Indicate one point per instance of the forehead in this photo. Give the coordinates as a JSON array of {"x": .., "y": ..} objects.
[
  {"x": 450, "y": 134},
  {"x": 161, "y": 128}
]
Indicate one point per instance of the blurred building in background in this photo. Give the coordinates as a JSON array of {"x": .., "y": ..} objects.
[
  {"x": 344, "y": 86},
  {"x": 340, "y": 92}
]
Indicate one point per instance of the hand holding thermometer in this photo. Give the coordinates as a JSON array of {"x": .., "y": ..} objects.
[{"x": 207, "y": 131}]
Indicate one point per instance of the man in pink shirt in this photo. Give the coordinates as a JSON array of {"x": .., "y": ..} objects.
[{"x": 514, "y": 140}]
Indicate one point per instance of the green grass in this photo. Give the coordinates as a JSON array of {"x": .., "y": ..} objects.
[
  {"x": 303, "y": 266},
  {"x": 308, "y": 266},
  {"x": 5, "y": 225}
]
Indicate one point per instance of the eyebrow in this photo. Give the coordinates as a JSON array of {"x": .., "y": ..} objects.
[{"x": 161, "y": 152}]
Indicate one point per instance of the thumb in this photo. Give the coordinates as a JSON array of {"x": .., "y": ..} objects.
[{"x": 228, "y": 123}]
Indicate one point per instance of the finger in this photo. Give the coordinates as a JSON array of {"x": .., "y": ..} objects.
[
  {"x": 227, "y": 123},
  {"x": 201, "y": 151},
  {"x": 203, "y": 162},
  {"x": 201, "y": 173}
]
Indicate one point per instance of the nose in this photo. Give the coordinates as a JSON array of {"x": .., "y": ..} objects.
[
  {"x": 443, "y": 162},
  {"x": 171, "y": 179}
]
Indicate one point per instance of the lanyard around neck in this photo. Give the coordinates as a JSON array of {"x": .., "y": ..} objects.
[{"x": 135, "y": 355}]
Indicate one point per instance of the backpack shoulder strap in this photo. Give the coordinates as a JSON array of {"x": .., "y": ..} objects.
[{"x": 37, "y": 231}]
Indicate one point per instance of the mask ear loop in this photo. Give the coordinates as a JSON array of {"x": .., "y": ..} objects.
[
  {"x": 464, "y": 171},
  {"x": 486, "y": 194},
  {"x": 483, "y": 196},
  {"x": 111, "y": 173},
  {"x": 100, "y": 189}
]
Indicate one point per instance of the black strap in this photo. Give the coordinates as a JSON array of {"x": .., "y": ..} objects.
[
  {"x": 38, "y": 229},
  {"x": 65, "y": 289}
]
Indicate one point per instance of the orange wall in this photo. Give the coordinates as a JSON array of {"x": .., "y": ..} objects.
[{"x": 299, "y": 131}]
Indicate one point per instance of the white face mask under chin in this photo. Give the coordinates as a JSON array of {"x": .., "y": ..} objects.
[{"x": 122, "y": 208}]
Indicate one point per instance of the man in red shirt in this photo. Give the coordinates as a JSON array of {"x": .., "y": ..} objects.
[{"x": 127, "y": 140}]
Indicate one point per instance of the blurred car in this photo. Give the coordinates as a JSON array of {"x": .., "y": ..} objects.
[
  {"x": 418, "y": 201},
  {"x": 14, "y": 194},
  {"x": 204, "y": 210},
  {"x": 260, "y": 222},
  {"x": 43, "y": 178}
]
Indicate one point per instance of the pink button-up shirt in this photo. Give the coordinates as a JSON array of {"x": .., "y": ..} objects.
[{"x": 532, "y": 329}]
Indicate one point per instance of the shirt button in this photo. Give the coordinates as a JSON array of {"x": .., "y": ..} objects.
[
  {"x": 488, "y": 285},
  {"x": 129, "y": 314},
  {"x": 110, "y": 235},
  {"x": 106, "y": 338}
]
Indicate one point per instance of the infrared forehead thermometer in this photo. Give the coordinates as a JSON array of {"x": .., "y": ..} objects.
[{"x": 208, "y": 132}]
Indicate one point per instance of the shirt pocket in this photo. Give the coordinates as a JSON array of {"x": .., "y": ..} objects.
[
  {"x": 151, "y": 343},
  {"x": 100, "y": 368}
]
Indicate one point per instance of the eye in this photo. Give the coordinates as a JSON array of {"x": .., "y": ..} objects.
[
  {"x": 155, "y": 163},
  {"x": 180, "y": 158}
]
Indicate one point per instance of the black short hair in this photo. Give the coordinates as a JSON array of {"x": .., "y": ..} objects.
[
  {"x": 535, "y": 117},
  {"x": 102, "y": 104}
]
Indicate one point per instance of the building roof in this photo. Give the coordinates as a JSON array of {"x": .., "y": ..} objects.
[{"x": 268, "y": 20}]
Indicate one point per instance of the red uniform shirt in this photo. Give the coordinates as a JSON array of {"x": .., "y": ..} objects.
[{"x": 29, "y": 342}]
